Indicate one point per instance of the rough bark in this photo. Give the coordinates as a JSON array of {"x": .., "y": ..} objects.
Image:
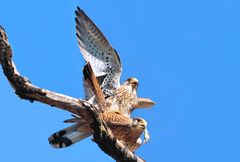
[{"x": 26, "y": 90}]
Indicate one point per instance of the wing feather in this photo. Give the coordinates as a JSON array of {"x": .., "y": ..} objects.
[
  {"x": 96, "y": 49},
  {"x": 115, "y": 119}
]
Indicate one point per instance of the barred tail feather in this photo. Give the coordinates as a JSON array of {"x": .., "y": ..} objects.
[{"x": 70, "y": 135}]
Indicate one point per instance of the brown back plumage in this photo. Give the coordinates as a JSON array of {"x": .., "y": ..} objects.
[{"x": 125, "y": 129}]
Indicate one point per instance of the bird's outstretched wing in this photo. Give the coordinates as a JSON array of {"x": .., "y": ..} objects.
[{"x": 96, "y": 49}]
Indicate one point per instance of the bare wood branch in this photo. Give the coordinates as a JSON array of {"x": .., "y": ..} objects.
[{"x": 26, "y": 90}]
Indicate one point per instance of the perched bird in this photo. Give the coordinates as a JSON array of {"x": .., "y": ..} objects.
[
  {"x": 120, "y": 100},
  {"x": 107, "y": 67},
  {"x": 127, "y": 130}
]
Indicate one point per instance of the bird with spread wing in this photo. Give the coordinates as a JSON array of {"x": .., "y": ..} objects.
[
  {"x": 107, "y": 67},
  {"x": 120, "y": 100}
]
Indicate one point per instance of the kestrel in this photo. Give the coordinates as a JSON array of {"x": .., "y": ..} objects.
[
  {"x": 127, "y": 130},
  {"x": 107, "y": 67},
  {"x": 120, "y": 100}
]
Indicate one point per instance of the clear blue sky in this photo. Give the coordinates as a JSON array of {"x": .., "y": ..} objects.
[{"x": 185, "y": 53}]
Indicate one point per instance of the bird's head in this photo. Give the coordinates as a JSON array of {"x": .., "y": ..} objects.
[
  {"x": 141, "y": 125},
  {"x": 133, "y": 82},
  {"x": 140, "y": 122}
]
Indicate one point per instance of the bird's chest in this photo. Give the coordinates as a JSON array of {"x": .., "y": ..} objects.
[{"x": 122, "y": 100}]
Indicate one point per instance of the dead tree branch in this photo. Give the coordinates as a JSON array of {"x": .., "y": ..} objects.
[{"x": 26, "y": 90}]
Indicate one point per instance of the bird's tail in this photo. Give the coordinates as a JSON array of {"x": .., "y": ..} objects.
[{"x": 70, "y": 135}]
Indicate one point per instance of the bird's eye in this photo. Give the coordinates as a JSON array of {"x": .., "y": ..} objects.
[
  {"x": 134, "y": 82},
  {"x": 138, "y": 120}
]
